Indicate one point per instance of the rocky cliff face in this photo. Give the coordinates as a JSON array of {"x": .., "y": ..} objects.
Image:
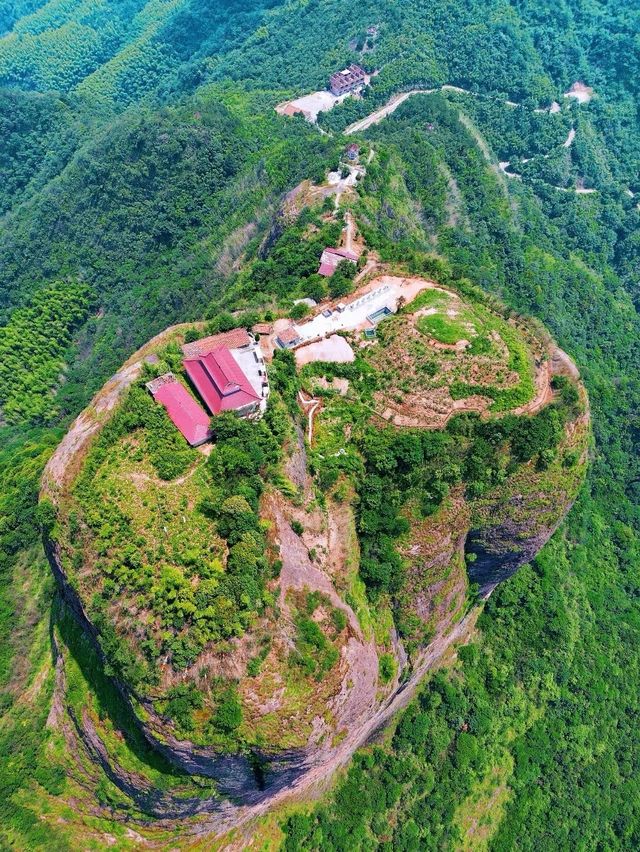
[
  {"x": 512, "y": 523},
  {"x": 498, "y": 551},
  {"x": 238, "y": 776}
]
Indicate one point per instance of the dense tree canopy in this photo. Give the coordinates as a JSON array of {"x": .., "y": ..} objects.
[{"x": 140, "y": 167}]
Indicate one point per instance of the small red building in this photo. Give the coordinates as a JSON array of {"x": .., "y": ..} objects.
[
  {"x": 185, "y": 413},
  {"x": 331, "y": 257},
  {"x": 221, "y": 383}
]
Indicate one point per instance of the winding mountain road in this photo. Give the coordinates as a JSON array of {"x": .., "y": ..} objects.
[{"x": 399, "y": 98}]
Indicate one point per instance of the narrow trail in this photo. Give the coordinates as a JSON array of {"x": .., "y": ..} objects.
[
  {"x": 349, "y": 231},
  {"x": 391, "y": 106},
  {"x": 70, "y": 451},
  {"x": 310, "y": 406},
  {"x": 502, "y": 168}
]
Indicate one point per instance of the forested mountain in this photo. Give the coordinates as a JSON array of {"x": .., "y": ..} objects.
[{"x": 143, "y": 174}]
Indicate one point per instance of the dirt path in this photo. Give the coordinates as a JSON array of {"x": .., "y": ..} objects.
[
  {"x": 139, "y": 478},
  {"x": 67, "y": 458},
  {"x": 391, "y": 106},
  {"x": 544, "y": 392},
  {"x": 349, "y": 231},
  {"x": 310, "y": 406}
]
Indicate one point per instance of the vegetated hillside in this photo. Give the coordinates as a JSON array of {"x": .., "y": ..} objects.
[
  {"x": 498, "y": 741},
  {"x": 549, "y": 695},
  {"x": 113, "y": 54},
  {"x": 256, "y": 600},
  {"x": 154, "y": 214}
]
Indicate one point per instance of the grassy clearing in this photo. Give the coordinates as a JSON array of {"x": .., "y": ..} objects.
[
  {"x": 444, "y": 329},
  {"x": 430, "y": 298},
  {"x": 480, "y": 814},
  {"x": 519, "y": 361}
]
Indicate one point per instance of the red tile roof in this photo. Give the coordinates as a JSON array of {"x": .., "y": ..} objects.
[
  {"x": 288, "y": 335},
  {"x": 326, "y": 269},
  {"x": 189, "y": 417},
  {"x": 233, "y": 339},
  {"x": 343, "y": 253},
  {"x": 220, "y": 381},
  {"x": 331, "y": 257}
]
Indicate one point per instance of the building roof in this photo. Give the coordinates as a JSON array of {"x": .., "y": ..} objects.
[
  {"x": 185, "y": 413},
  {"x": 220, "y": 381},
  {"x": 331, "y": 257},
  {"x": 343, "y": 253},
  {"x": 289, "y": 335},
  {"x": 262, "y": 328},
  {"x": 326, "y": 269},
  {"x": 233, "y": 339},
  {"x": 347, "y": 77}
]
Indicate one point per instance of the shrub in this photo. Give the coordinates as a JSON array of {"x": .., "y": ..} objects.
[
  {"x": 299, "y": 311},
  {"x": 339, "y": 619},
  {"x": 228, "y": 715},
  {"x": 386, "y": 667}
]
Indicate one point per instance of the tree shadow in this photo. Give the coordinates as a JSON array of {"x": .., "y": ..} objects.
[{"x": 110, "y": 702}]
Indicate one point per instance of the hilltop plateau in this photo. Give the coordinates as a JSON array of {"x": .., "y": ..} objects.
[{"x": 266, "y": 597}]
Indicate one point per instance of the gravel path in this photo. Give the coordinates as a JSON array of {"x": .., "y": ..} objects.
[{"x": 69, "y": 453}]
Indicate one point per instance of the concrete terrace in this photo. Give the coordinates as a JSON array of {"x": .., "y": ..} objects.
[{"x": 383, "y": 292}]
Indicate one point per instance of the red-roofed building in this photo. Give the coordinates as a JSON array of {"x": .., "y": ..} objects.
[
  {"x": 348, "y": 80},
  {"x": 331, "y": 257},
  {"x": 288, "y": 338},
  {"x": 221, "y": 383},
  {"x": 185, "y": 413},
  {"x": 237, "y": 338}
]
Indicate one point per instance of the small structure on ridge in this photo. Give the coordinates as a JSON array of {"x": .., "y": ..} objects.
[
  {"x": 288, "y": 338},
  {"x": 353, "y": 152},
  {"x": 187, "y": 416},
  {"x": 331, "y": 257}
]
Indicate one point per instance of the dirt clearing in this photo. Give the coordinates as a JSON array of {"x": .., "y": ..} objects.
[{"x": 334, "y": 349}]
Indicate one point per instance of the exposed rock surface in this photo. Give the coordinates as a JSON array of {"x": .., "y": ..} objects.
[{"x": 501, "y": 549}]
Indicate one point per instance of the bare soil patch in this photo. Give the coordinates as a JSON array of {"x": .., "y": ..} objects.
[{"x": 334, "y": 349}]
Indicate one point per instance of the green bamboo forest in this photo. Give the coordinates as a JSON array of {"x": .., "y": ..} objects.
[{"x": 395, "y": 604}]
